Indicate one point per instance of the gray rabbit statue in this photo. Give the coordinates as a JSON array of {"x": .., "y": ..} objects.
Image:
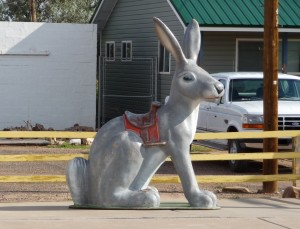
[{"x": 122, "y": 160}]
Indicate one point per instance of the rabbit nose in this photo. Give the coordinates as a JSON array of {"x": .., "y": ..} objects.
[{"x": 219, "y": 87}]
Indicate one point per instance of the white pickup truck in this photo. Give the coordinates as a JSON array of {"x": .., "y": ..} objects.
[{"x": 241, "y": 109}]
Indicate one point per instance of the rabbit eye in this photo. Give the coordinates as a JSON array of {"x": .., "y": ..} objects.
[{"x": 189, "y": 77}]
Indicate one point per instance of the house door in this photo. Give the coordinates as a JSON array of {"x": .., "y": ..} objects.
[{"x": 126, "y": 85}]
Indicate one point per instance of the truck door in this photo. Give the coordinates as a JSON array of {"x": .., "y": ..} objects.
[{"x": 203, "y": 111}]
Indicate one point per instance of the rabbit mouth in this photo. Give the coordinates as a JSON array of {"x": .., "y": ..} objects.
[{"x": 215, "y": 94}]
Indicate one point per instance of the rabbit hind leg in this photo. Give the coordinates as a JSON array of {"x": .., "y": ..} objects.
[
  {"x": 77, "y": 180},
  {"x": 118, "y": 177}
]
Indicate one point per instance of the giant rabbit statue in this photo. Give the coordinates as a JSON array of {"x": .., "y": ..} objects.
[{"x": 121, "y": 164}]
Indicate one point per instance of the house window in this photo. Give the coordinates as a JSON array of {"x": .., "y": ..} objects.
[
  {"x": 293, "y": 57},
  {"x": 126, "y": 52},
  {"x": 110, "y": 50},
  {"x": 250, "y": 54},
  {"x": 164, "y": 60}
]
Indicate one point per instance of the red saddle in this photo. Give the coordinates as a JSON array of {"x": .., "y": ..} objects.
[{"x": 145, "y": 125}]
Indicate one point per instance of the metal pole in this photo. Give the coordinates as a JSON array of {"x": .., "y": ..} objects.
[{"x": 270, "y": 89}]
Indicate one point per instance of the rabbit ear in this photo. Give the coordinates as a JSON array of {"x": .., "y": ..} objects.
[
  {"x": 168, "y": 40},
  {"x": 192, "y": 40}
]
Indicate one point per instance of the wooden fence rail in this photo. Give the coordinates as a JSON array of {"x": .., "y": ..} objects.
[
  {"x": 158, "y": 178},
  {"x": 198, "y": 136},
  {"x": 46, "y": 134}
]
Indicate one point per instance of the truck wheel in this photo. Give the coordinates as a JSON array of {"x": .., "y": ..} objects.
[{"x": 234, "y": 146}]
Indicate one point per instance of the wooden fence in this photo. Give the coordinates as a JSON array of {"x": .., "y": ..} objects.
[{"x": 295, "y": 176}]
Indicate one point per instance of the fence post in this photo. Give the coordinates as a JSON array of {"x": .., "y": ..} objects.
[{"x": 296, "y": 161}]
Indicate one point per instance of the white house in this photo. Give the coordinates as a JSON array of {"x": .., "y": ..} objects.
[{"x": 47, "y": 74}]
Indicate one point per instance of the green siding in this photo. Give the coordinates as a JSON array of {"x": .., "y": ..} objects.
[
  {"x": 132, "y": 20},
  {"x": 219, "y": 50},
  {"x": 235, "y": 12},
  {"x": 218, "y": 54}
]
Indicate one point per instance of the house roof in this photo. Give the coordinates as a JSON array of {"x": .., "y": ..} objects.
[
  {"x": 239, "y": 13},
  {"x": 219, "y": 15},
  {"x": 102, "y": 12}
]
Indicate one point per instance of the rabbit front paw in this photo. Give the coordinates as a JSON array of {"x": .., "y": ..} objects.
[{"x": 203, "y": 199}]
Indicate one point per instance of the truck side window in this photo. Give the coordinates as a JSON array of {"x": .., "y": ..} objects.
[{"x": 233, "y": 91}]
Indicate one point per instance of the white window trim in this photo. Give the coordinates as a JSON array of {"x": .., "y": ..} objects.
[
  {"x": 170, "y": 56},
  {"x": 126, "y": 59},
  {"x": 114, "y": 44}
]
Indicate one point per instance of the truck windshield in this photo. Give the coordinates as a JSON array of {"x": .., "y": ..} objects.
[{"x": 252, "y": 89}]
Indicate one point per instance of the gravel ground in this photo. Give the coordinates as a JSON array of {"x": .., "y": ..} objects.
[{"x": 23, "y": 192}]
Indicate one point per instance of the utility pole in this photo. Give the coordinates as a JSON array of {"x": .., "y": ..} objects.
[
  {"x": 270, "y": 166},
  {"x": 32, "y": 5}
]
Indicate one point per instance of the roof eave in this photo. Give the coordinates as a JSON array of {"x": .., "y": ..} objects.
[{"x": 245, "y": 29}]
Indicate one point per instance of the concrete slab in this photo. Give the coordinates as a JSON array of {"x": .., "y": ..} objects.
[{"x": 234, "y": 213}]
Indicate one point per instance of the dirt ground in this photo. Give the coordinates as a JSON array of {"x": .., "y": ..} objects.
[{"x": 26, "y": 192}]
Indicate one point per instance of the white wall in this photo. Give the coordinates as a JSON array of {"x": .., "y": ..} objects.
[{"x": 47, "y": 74}]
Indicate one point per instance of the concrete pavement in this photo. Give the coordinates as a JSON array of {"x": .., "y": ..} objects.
[{"x": 234, "y": 213}]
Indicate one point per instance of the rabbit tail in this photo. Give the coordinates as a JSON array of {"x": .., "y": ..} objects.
[{"x": 77, "y": 180}]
